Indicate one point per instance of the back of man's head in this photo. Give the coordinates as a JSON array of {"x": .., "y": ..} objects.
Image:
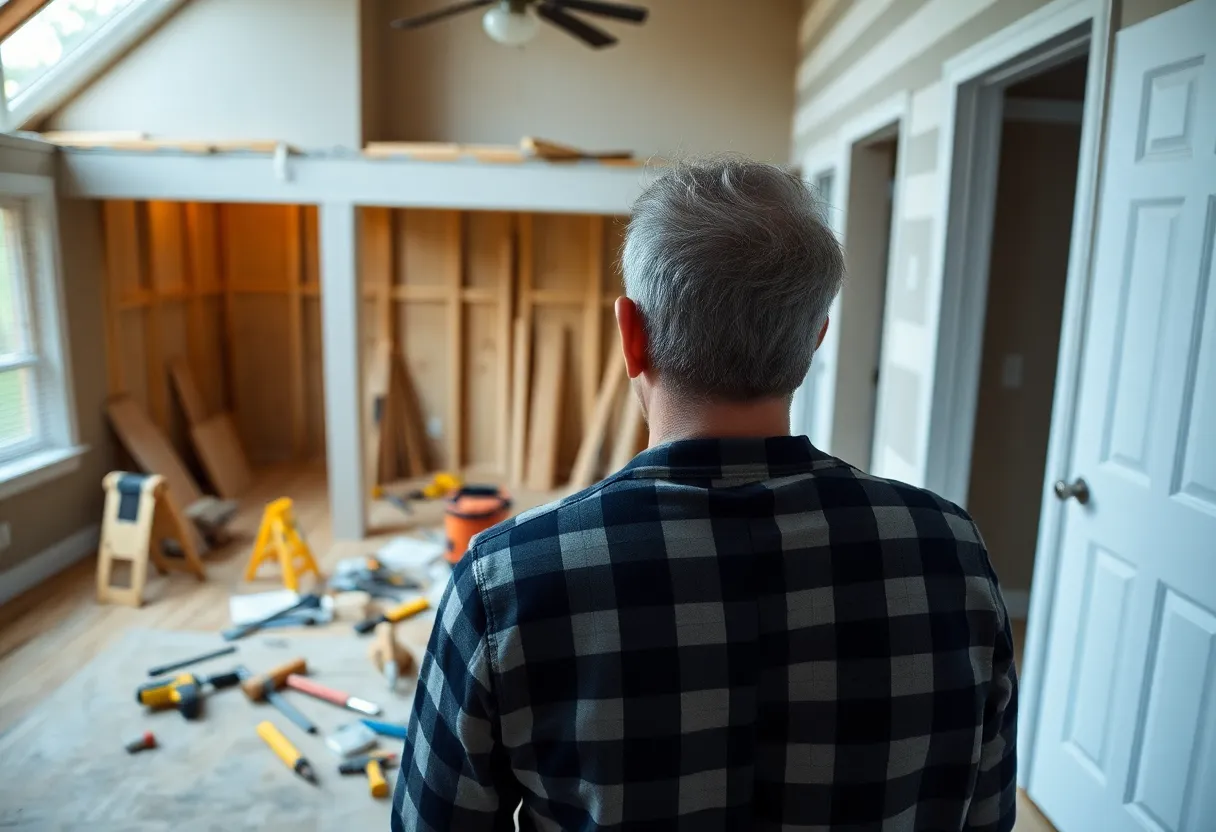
[{"x": 733, "y": 269}]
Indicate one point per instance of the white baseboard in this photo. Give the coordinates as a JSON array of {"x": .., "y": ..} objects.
[
  {"x": 1017, "y": 601},
  {"x": 49, "y": 562}
]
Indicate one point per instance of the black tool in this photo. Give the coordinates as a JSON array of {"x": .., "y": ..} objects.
[
  {"x": 166, "y": 668},
  {"x": 287, "y": 709},
  {"x": 311, "y": 601},
  {"x": 358, "y": 765},
  {"x": 267, "y": 688}
]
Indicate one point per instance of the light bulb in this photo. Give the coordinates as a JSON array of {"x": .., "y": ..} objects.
[{"x": 509, "y": 28}]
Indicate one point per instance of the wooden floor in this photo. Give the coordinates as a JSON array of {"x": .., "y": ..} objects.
[{"x": 51, "y": 631}]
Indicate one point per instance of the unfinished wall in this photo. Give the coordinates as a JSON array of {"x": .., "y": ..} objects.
[
  {"x": 446, "y": 288},
  {"x": 50, "y": 513},
  {"x": 700, "y": 76},
  {"x": 233, "y": 69},
  {"x": 852, "y": 57},
  {"x": 1028, "y": 269},
  {"x": 232, "y": 289}
]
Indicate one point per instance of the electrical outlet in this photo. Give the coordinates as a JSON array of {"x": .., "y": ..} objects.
[
  {"x": 434, "y": 427},
  {"x": 6, "y": 536}
]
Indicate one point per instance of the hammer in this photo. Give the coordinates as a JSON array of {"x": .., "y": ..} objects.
[{"x": 266, "y": 686}]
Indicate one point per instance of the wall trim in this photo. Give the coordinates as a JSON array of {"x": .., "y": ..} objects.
[
  {"x": 1044, "y": 110},
  {"x": 49, "y": 562}
]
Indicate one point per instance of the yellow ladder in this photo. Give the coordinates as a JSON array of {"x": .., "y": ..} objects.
[{"x": 279, "y": 539}]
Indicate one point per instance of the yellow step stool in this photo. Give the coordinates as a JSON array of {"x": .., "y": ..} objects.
[{"x": 279, "y": 539}]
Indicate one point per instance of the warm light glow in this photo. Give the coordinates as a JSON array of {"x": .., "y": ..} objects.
[{"x": 510, "y": 28}]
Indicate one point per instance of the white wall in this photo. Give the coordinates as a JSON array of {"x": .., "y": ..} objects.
[
  {"x": 233, "y": 69},
  {"x": 699, "y": 76}
]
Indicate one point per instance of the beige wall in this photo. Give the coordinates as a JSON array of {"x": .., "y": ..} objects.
[
  {"x": 47, "y": 514},
  {"x": 699, "y": 76},
  {"x": 854, "y": 56},
  {"x": 1028, "y": 269},
  {"x": 232, "y": 69}
]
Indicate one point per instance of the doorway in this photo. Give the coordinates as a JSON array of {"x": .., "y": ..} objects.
[
  {"x": 869, "y": 206},
  {"x": 1031, "y": 230}
]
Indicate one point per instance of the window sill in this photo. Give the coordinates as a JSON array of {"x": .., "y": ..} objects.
[{"x": 38, "y": 468}]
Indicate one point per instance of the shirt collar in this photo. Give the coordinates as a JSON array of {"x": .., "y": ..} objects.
[{"x": 734, "y": 458}]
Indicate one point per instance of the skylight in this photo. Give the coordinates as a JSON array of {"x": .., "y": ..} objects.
[{"x": 51, "y": 35}]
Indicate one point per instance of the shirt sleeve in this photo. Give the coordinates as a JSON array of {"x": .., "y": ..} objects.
[
  {"x": 454, "y": 771},
  {"x": 994, "y": 802}
]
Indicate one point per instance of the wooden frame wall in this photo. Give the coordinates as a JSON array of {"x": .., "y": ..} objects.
[{"x": 235, "y": 290}]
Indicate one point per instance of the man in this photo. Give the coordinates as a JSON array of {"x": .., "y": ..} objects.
[{"x": 736, "y": 631}]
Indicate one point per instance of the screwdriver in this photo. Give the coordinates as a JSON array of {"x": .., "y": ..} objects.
[{"x": 286, "y": 752}]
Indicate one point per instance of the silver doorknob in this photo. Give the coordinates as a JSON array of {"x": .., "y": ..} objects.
[{"x": 1078, "y": 489}]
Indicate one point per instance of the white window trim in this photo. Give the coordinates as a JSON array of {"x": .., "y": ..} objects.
[
  {"x": 62, "y": 451},
  {"x": 86, "y": 62}
]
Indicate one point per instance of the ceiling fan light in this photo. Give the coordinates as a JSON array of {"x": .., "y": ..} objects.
[{"x": 509, "y": 28}]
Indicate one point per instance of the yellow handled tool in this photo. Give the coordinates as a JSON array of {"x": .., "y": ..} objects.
[
  {"x": 394, "y": 615},
  {"x": 286, "y": 752},
  {"x": 376, "y": 784}
]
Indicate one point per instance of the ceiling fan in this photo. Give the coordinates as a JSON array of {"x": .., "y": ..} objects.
[{"x": 511, "y": 22}]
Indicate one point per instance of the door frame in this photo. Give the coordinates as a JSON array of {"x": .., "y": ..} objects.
[
  {"x": 890, "y": 114},
  {"x": 969, "y": 149}
]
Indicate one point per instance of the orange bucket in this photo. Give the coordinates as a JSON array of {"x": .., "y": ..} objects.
[{"x": 472, "y": 509}]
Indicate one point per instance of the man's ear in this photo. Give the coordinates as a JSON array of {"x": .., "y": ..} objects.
[
  {"x": 633, "y": 337},
  {"x": 823, "y": 333}
]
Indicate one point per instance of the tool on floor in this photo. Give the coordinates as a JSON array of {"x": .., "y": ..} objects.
[
  {"x": 280, "y": 539},
  {"x": 286, "y": 752},
  {"x": 442, "y": 484},
  {"x": 389, "y": 657},
  {"x": 399, "y": 613},
  {"x": 472, "y": 509},
  {"x": 336, "y": 697},
  {"x": 358, "y": 765},
  {"x": 166, "y": 668},
  {"x": 183, "y": 692},
  {"x": 385, "y": 729},
  {"x": 377, "y": 786},
  {"x": 139, "y": 516},
  {"x": 144, "y": 743},
  {"x": 265, "y": 686},
  {"x": 311, "y": 601},
  {"x": 351, "y": 739}
]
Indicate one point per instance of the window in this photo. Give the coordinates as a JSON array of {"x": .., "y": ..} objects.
[{"x": 37, "y": 425}]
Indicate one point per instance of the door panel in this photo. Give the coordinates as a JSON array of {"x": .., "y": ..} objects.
[{"x": 1127, "y": 733}]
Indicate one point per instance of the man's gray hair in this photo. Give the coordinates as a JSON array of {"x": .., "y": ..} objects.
[{"x": 733, "y": 269}]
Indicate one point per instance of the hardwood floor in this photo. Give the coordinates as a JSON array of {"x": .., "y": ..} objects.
[{"x": 51, "y": 631}]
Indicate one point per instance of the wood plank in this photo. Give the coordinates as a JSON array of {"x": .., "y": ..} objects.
[
  {"x": 166, "y": 247},
  {"x": 521, "y": 361},
  {"x": 90, "y": 138},
  {"x": 544, "y": 434},
  {"x": 443, "y": 152},
  {"x": 631, "y": 428},
  {"x": 587, "y": 464},
  {"x": 455, "y": 345},
  {"x": 506, "y": 289},
  {"x": 220, "y": 451},
  {"x": 121, "y": 257},
  {"x": 297, "y": 402},
  {"x": 417, "y": 458},
  {"x": 592, "y": 356},
  {"x": 377, "y": 264},
  {"x": 194, "y": 405},
  {"x": 375, "y": 394},
  {"x": 552, "y": 151}
]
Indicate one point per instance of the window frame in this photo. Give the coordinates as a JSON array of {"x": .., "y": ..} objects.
[{"x": 57, "y": 450}]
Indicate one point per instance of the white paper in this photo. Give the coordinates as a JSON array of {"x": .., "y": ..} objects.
[
  {"x": 409, "y": 553},
  {"x": 245, "y": 609}
]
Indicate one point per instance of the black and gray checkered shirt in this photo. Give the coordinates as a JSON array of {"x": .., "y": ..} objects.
[{"x": 727, "y": 634}]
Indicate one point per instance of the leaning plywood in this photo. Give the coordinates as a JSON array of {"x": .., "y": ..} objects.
[
  {"x": 220, "y": 450},
  {"x": 544, "y": 435},
  {"x": 191, "y": 398},
  {"x": 587, "y": 464}
]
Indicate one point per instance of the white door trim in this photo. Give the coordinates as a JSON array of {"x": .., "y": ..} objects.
[
  {"x": 970, "y": 134},
  {"x": 892, "y": 113}
]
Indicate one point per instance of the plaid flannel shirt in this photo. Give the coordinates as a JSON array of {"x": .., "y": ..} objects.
[{"x": 726, "y": 634}]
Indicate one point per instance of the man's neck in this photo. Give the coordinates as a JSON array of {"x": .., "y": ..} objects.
[{"x": 671, "y": 418}]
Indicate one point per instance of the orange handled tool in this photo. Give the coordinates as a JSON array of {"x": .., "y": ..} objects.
[
  {"x": 344, "y": 700},
  {"x": 255, "y": 686},
  {"x": 394, "y": 615}
]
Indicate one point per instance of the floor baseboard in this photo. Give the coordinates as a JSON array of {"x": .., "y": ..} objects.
[
  {"x": 1017, "y": 601},
  {"x": 49, "y": 562}
]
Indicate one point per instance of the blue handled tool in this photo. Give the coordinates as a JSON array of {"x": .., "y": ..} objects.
[{"x": 385, "y": 729}]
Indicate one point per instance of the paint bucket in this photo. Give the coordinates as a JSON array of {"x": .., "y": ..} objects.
[{"x": 472, "y": 509}]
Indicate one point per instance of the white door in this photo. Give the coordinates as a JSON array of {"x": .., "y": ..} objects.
[{"x": 1127, "y": 738}]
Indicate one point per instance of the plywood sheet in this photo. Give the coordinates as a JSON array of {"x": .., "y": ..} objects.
[
  {"x": 220, "y": 450},
  {"x": 521, "y": 386},
  {"x": 314, "y": 379},
  {"x": 166, "y": 242},
  {"x": 189, "y": 396},
  {"x": 125, "y": 272},
  {"x": 487, "y": 248},
  {"x": 376, "y": 240},
  {"x": 131, "y": 337},
  {"x": 426, "y": 246},
  {"x": 482, "y": 396},
  {"x": 312, "y": 245},
  {"x": 261, "y": 377},
  {"x": 587, "y": 464},
  {"x": 423, "y": 328},
  {"x": 256, "y": 254},
  {"x": 545, "y": 418},
  {"x": 573, "y": 417},
  {"x": 561, "y": 252},
  {"x": 202, "y": 233},
  {"x": 209, "y": 364}
]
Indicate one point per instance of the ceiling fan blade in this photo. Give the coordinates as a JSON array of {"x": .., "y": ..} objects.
[
  {"x": 617, "y": 11},
  {"x": 593, "y": 36},
  {"x": 439, "y": 14}
]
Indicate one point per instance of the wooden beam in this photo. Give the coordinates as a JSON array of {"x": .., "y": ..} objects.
[
  {"x": 118, "y": 218},
  {"x": 593, "y": 319},
  {"x": 15, "y": 12},
  {"x": 341, "y": 311},
  {"x": 454, "y": 280},
  {"x": 506, "y": 290},
  {"x": 157, "y": 372},
  {"x": 521, "y": 349},
  {"x": 544, "y": 430},
  {"x": 297, "y": 392}
]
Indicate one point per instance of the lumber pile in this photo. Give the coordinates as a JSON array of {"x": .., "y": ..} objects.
[
  {"x": 528, "y": 148},
  {"x": 134, "y": 140}
]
